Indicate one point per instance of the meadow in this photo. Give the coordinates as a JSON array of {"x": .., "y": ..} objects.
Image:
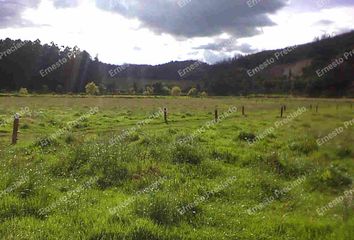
[{"x": 121, "y": 172}]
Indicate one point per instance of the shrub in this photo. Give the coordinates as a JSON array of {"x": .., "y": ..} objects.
[
  {"x": 69, "y": 138},
  {"x": 25, "y": 126},
  {"x": 186, "y": 153},
  {"x": 272, "y": 160},
  {"x": 176, "y": 91},
  {"x": 304, "y": 146},
  {"x": 332, "y": 177},
  {"x": 192, "y": 92},
  {"x": 344, "y": 152},
  {"x": 59, "y": 88},
  {"x": 162, "y": 209},
  {"x": 268, "y": 187},
  {"x": 148, "y": 91},
  {"x": 203, "y": 94},
  {"x": 225, "y": 156},
  {"x": 244, "y": 136},
  {"x": 165, "y": 91},
  {"x": 112, "y": 175},
  {"x": 45, "y": 89},
  {"x": 91, "y": 88},
  {"x": 23, "y": 91}
]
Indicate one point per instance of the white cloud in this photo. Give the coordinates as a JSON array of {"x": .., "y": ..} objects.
[
  {"x": 117, "y": 39},
  {"x": 295, "y": 27}
]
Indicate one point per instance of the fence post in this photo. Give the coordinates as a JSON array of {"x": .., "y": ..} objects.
[
  {"x": 281, "y": 111},
  {"x": 216, "y": 115},
  {"x": 243, "y": 110},
  {"x": 317, "y": 108},
  {"x": 15, "y": 128},
  {"x": 165, "y": 115}
]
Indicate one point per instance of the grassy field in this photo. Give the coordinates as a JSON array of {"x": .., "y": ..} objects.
[{"x": 110, "y": 168}]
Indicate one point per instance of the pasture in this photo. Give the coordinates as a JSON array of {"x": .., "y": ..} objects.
[{"x": 121, "y": 172}]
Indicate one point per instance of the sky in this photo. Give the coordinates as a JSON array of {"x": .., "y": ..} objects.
[{"x": 160, "y": 31}]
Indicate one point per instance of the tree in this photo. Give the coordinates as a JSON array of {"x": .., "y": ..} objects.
[
  {"x": 166, "y": 91},
  {"x": 148, "y": 91},
  {"x": 158, "y": 88},
  {"x": 45, "y": 89},
  {"x": 176, "y": 91},
  {"x": 203, "y": 94},
  {"x": 192, "y": 92},
  {"x": 91, "y": 88},
  {"x": 135, "y": 87},
  {"x": 131, "y": 91},
  {"x": 23, "y": 91},
  {"x": 59, "y": 88}
]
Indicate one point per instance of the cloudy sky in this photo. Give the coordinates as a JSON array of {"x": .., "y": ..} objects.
[{"x": 159, "y": 31}]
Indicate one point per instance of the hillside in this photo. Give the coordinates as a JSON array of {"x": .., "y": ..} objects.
[
  {"x": 283, "y": 71},
  {"x": 291, "y": 72}
]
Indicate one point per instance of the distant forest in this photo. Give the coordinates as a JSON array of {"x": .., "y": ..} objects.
[{"x": 44, "y": 68}]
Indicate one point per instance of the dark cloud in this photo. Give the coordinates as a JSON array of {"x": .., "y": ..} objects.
[
  {"x": 227, "y": 45},
  {"x": 220, "y": 45},
  {"x": 246, "y": 48},
  {"x": 197, "y": 18},
  {"x": 65, "y": 3},
  {"x": 214, "y": 57},
  {"x": 11, "y": 12}
]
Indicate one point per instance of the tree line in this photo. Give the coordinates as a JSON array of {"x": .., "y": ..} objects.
[{"x": 52, "y": 68}]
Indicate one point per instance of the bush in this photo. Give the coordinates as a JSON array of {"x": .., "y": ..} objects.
[
  {"x": 332, "y": 177},
  {"x": 176, "y": 91},
  {"x": 113, "y": 175},
  {"x": 148, "y": 91},
  {"x": 59, "y": 89},
  {"x": 192, "y": 92},
  {"x": 244, "y": 136},
  {"x": 69, "y": 138},
  {"x": 165, "y": 91},
  {"x": 304, "y": 146},
  {"x": 160, "y": 208},
  {"x": 92, "y": 89},
  {"x": 224, "y": 155},
  {"x": 203, "y": 94},
  {"x": 272, "y": 160},
  {"x": 23, "y": 91},
  {"x": 185, "y": 153},
  {"x": 344, "y": 152},
  {"x": 45, "y": 89}
]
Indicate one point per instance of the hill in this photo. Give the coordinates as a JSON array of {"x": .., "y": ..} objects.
[{"x": 293, "y": 70}]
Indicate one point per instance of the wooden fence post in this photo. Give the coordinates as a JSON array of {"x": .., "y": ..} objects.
[
  {"x": 281, "y": 111},
  {"x": 243, "y": 110},
  {"x": 165, "y": 115},
  {"x": 15, "y": 128},
  {"x": 317, "y": 108},
  {"x": 216, "y": 115}
]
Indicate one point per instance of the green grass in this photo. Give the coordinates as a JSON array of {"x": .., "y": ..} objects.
[{"x": 135, "y": 188}]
